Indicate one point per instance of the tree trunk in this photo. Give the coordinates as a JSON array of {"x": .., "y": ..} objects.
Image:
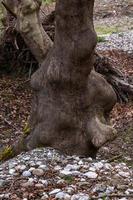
[
  {"x": 29, "y": 26},
  {"x": 71, "y": 101}
]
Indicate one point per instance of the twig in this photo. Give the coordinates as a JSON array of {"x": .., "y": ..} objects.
[
  {"x": 115, "y": 158},
  {"x": 9, "y": 123}
]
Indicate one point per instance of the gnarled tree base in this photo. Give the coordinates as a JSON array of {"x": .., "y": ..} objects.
[{"x": 62, "y": 120}]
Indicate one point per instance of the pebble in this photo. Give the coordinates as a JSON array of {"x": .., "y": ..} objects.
[
  {"x": 65, "y": 172},
  {"x": 78, "y": 171},
  {"x": 45, "y": 196},
  {"x": 39, "y": 185},
  {"x": 38, "y": 172},
  {"x": 27, "y": 184},
  {"x": 12, "y": 171},
  {"x": 26, "y": 174},
  {"x": 55, "y": 191},
  {"x": 2, "y": 183},
  {"x": 80, "y": 197},
  {"x": 91, "y": 175},
  {"x": 124, "y": 174},
  {"x": 63, "y": 196}
]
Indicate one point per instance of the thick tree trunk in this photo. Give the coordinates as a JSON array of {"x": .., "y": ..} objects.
[{"x": 71, "y": 101}]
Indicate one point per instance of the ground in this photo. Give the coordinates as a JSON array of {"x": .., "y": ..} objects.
[{"x": 15, "y": 92}]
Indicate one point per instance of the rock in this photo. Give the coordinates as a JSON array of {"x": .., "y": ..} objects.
[
  {"x": 39, "y": 185},
  {"x": 57, "y": 168},
  {"x": 26, "y": 174},
  {"x": 70, "y": 190},
  {"x": 38, "y": 172},
  {"x": 91, "y": 175},
  {"x": 12, "y": 171},
  {"x": 80, "y": 196},
  {"x": 98, "y": 165},
  {"x": 124, "y": 174},
  {"x": 55, "y": 191},
  {"x": 45, "y": 196},
  {"x": 27, "y": 184},
  {"x": 44, "y": 182},
  {"x": 93, "y": 169},
  {"x": 2, "y": 183},
  {"x": 44, "y": 167},
  {"x": 63, "y": 196},
  {"x": 31, "y": 169},
  {"x": 71, "y": 167},
  {"x": 99, "y": 188},
  {"x": 65, "y": 172},
  {"x": 20, "y": 167},
  {"x": 109, "y": 190}
]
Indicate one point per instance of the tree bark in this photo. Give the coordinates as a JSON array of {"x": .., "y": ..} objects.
[
  {"x": 71, "y": 101},
  {"x": 29, "y": 26}
]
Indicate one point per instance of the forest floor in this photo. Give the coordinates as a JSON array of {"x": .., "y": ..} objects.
[{"x": 15, "y": 92}]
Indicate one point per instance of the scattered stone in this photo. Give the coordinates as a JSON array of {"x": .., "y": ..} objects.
[
  {"x": 45, "y": 196},
  {"x": 124, "y": 174},
  {"x": 12, "y": 171},
  {"x": 80, "y": 196},
  {"x": 26, "y": 174},
  {"x": 27, "y": 184},
  {"x": 63, "y": 196},
  {"x": 2, "y": 183},
  {"x": 38, "y": 172},
  {"x": 39, "y": 185},
  {"x": 55, "y": 191},
  {"x": 91, "y": 175}
]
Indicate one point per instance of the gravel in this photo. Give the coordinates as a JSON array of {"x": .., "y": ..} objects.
[
  {"x": 50, "y": 174},
  {"x": 120, "y": 41}
]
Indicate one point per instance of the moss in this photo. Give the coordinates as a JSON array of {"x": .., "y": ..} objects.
[
  {"x": 68, "y": 179},
  {"x": 101, "y": 39},
  {"x": 6, "y": 153},
  {"x": 104, "y": 30},
  {"x": 26, "y": 130}
]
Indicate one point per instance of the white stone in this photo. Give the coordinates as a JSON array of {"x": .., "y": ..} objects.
[
  {"x": 108, "y": 166},
  {"x": 80, "y": 162},
  {"x": 124, "y": 174},
  {"x": 65, "y": 172},
  {"x": 91, "y": 175},
  {"x": 45, "y": 196},
  {"x": 63, "y": 196},
  {"x": 80, "y": 197},
  {"x": 55, "y": 191},
  {"x": 26, "y": 173},
  {"x": 70, "y": 190},
  {"x": 44, "y": 167},
  {"x": 44, "y": 182},
  {"x": 12, "y": 171},
  {"x": 98, "y": 165},
  {"x": 93, "y": 169},
  {"x": 57, "y": 168}
]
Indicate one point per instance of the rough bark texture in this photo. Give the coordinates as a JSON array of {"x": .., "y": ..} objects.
[
  {"x": 29, "y": 26},
  {"x": 71, "y": 101}
]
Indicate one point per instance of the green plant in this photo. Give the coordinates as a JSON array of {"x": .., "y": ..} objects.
[
  {"x": 68, "y": 179},
  {"x": 6, "y": 153}
]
